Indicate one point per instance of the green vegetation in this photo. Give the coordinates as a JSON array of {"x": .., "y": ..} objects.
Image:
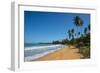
[{"x": 78, "y": 39}]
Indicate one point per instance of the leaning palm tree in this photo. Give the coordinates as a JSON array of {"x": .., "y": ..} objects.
[{"x": 78, "y": 22}]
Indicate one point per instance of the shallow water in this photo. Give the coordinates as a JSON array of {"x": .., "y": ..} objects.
[{"x": 32, "y": 53}]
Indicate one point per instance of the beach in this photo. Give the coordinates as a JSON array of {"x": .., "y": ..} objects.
[
  {"x": 62, "y": 54},
  {"x": 34, "y": 52}
]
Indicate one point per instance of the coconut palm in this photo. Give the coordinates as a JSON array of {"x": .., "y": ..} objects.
[
  {"x": 78, "y": 22},
  {"x": 72, "y": 33},
  {"x": 85, "y": 30},
  {"x": 82, "y": 35},
  {"x": 69, "y": 33},
  {"x": 75, "y": 34},
  {"x": 79, "y": 33},
  {"x": 89, "y": 28}
]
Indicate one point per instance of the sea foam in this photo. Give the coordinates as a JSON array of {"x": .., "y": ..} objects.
[{"x": 52, "y": 48}]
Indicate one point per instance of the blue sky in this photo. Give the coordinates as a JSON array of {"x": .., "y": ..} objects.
[{"x": 49, "y": 26}]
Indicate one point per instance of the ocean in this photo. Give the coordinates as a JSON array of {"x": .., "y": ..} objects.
[{"x": 33, "y": 52}]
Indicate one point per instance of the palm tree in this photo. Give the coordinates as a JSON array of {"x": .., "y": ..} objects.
[
  {"x": 89, "y": 28},
  {"x": 79, "y": 33},
  {"x": 85, "y": 30},
  {"x": 78, "y": 22},
  {"x": 82, "y": 35},
  {"x": 75, "y": 34},
  {"x": 69, "y": 33},
  {"x": 72, "y": 32}
]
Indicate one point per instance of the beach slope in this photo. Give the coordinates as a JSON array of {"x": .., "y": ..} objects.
[{"x": 62, "y": 54}]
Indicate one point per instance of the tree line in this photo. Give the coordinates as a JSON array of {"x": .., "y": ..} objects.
[{"x": 78, "y": 38}]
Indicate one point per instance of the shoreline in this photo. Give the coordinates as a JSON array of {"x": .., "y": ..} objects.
[
  {"x": 41, "y": 51},
  {"x": 67, "y": 53},
  {"x": 39, "y": 47}
]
